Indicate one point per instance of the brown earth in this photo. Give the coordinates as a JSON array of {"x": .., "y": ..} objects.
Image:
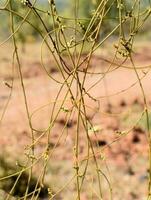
[{"x": 121, "y": 105}]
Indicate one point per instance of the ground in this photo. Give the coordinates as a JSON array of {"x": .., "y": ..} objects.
[{"x": 123, "y": 155}]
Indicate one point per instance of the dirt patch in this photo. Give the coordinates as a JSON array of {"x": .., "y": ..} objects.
[{"x": 120, "y": 107}]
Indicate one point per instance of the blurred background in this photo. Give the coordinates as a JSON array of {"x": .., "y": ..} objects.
[{"x": 117, "y": 90}]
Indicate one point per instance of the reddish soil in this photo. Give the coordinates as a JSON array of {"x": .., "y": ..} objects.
[{"x": 126, "y": 157}]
